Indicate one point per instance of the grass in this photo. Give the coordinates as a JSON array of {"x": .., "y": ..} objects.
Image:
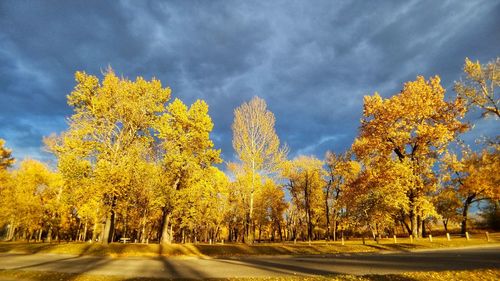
[
  {"x": 234, "y": 249},
  {"x": 471, "y": 275}
]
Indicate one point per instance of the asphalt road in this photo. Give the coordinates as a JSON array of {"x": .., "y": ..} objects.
[{"x": 200, "y": 268}]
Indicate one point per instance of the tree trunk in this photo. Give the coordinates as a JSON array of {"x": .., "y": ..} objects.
[
  {"x": 280, "y": 232},
  {"x": 142, "y": 237},
  {"x": 260, "y": 231},
  {"x": 419, "y": 224},
  {"x": 165, "y": 232},
  {"x": 49, "y": 234},
  {"x": 465, "y": 212},
  {"x": 39, "y": 235},
  {"x": 110, "y": 224},
  {"x": 94, "y": 232},
  {"x": 413, "y": 222},
  {"x": 84, "y": 236},
  {"x": 327, "y": 213},
  {"x": 250, "y": 223},
  {"x": 12, "y": 230},
  {"x": 424, "y": 231},
  {"x": 77, "y": 237},
  {"x": 408, "y": 229},
  {"x": 334, "y": 232},
  {"x": 107, "y": 228},
  {"x": 308, "y": 208},
  {"x": 445, "y": 224}
]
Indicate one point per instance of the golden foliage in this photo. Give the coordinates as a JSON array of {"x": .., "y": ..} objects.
[
  {"x": 6, "y": 159},
  {"x": 479, "y": 85},
  {"x": 405, "y": 134}
]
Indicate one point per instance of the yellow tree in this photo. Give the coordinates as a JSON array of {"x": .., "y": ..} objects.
[
  {"x": 239, "y": 191},
  {"x": 79, "y": 191},
  {"x": 413, "y": 127},
  {"x": 447, "y": 202},
  {"x": 342, "y": 171},
  {"x": 479, "y": 86},
  {"x": 474, "y": 177},
  {"x": 25, "y": 198},
  {"x": 269, "y": 208},
  {"x": 305, "y": 175},
  {"x": 213, "y": 203},
  {"x": 188, "y": 152},
  {"x": 377, "y": 196},
  {"x": 200, "y": 208},
  {"x": 257, "y": 146},
  {"x": 112, "y": 125},
  {"x": 6, "y": 159}
]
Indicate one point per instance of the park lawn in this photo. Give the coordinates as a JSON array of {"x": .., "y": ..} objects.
[
  {"x": 238, "y": 249},
  {"x": 470, "y": 275}
]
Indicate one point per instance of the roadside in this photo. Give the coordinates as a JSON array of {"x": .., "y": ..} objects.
[{"x": 235, "y": 250}]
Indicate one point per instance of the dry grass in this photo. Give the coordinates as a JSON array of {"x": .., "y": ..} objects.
[{"x": 233, "y": 249}]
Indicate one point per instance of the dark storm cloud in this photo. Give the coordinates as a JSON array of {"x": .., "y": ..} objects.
[{"x": 311, "y": 61}]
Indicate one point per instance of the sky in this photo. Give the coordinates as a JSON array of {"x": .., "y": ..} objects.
[{"x": 312, "y": 61}]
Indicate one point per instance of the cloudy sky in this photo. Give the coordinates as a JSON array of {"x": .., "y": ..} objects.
[{"x": 312, "y": 61}]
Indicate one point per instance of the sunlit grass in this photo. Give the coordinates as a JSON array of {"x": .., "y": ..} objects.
[{"x": 238, "y": 249}]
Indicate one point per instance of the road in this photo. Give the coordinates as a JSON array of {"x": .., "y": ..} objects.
[{"x": 200, "y": 268}]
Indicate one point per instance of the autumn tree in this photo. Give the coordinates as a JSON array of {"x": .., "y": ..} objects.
[
  {"x": 26, "y": 199},
  {"x": 239, "y": 191},
  {"x": 447, "y": 203},
  {"x": 479, "y": 86},
  {"x": 413, "y": 127},
  {"x": 378, "y": 196},
  {"x": 474, "y": 177},
  {"x": 111, "y": 129},
  {"x": 258, "y": 147},
  {"x": 269, "y": 209},
  {"x": 188, "y": 155},
  {"x": 305, "y": 176},
  {"x": 342, "y": 171},
  {"x": 6, "y": 159}
]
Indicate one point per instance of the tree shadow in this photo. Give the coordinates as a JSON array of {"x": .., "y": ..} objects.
[
  {"x": 406, "y": 262},
  {"x": 280, "y": 268},
  {"x": 174, "y": 270}
]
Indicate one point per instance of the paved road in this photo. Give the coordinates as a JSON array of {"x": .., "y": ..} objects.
[{"x": 199, "y": 268}]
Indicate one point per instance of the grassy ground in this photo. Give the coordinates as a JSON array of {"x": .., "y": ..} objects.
[
  {"x": 484, "y": 274},
  {"x": 224, "y": 250}
]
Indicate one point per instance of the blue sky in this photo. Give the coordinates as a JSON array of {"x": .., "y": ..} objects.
[{"x": 312, "y": 61}]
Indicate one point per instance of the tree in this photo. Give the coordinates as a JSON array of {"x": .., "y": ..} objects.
[
  {"x": 474, "y": 177},
  {"x": 111, "y": 129},
  {"x": 447, "y": 203},
  {"x": 188, "y": 153},
  {"x": 239, "y": 198},
  {"x": 25, "y": 200},
  {"x": 269, "y": 208},
  {"x": 378, "y": 197},
  {"x": 305, "y": 176},
  {"x": 413, "y": 127},
  {"x": 257, "y": 146},
  {"x": 6, "y": 159},
  {"x": 342, "y": 171},
  {"x": 479, "y": 85}
]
